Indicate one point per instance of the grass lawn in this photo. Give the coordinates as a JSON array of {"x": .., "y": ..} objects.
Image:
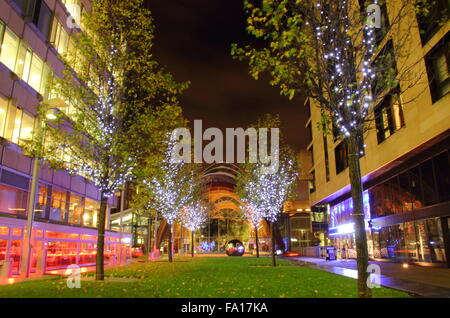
[{"x": 228, "y": 277}]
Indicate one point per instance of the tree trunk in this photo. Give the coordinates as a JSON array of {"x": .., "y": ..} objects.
[
  {"x": 170, "y": 244},
  {"x": 358, "y": 216},
  {"x": 149, "y": 237},
  {"x": 274, "y": 262},
  {"x": 192, "y": 243},
  {"x": 100, "y": 259},
  {"x": 257, "y": 241},
  {"x": 155, "y": 237}
]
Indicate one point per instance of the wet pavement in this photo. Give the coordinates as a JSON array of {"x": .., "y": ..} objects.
[{"x": 420, "y": 281}]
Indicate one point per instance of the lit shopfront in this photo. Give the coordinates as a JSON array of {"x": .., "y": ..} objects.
[
  {"x": 342, "y": 226},
  {"x": 408, "y": 213},
  {"x": 58, "y": 246}
]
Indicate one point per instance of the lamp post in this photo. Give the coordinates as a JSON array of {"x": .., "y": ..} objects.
[{"x": 27, "y": 242}]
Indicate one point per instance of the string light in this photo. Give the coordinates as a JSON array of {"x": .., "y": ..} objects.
[
  {"x": 173, "y": 189},
  {"x": 353, "y": 99},
  {"x": 194, "y": 216},
  {"x": 265, "y": 193}
]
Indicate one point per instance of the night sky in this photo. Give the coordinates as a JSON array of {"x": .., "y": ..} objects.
[{"x": 193, "y": 39}]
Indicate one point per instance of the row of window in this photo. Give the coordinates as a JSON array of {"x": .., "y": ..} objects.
[
  {"x": 20, "y": 59},
  {"x": 418, "y": 187},
  {"x": 15, "y": 125},
  {"x": 41, "y": 15},
  {"x": 51, "y": 204}
]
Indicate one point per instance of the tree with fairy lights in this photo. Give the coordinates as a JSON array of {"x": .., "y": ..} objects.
[
  {"x": 264, "y": 189},
  {"x": 114, "y": 102},
  {"x": 347, "y": 56},
  {"x": 254, "y": 216},
  {"x": 172, "y": 187},
  {"x": 193, "y": 217}
]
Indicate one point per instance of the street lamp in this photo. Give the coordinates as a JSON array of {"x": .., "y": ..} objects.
[{"x": 27, "y": 244}]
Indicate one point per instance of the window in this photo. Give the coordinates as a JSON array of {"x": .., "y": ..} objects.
[
  {"x": 438, "y": 69},
  {"x": 9, "y": 48},
  {"x": 42, "y": 201},
  {"x": 431, "y": 17},
  {"x": 430, "y": 194},
  {"x": 385, "y": 68},
  {"x": 39, "y": 12},
  {"x": 23, "y": 5},
  {"x": 42, "y": 17},
  {"x": 12, "y": 200},
  {"x": 23, "y": 61},
  {"x": 58, "y": 205},
  {"x": 341, "y": 154},
  {"x": 312, "y": 182},
  {"x": 75, "y": 209},
  {"x": 13, "y": 121},
  {"x": 74, "y": 9},
  {"x": 22, "y": 58},
  {"x": 59, "y": 37},
  {"x": 37, "y": 65},
  {"x": 3, "y": 112},
  {"x": 341, "y": 157},
  {"x": 90, "y": 214},
  {"x": 441, "y": 165},
  {"x": 26, "y": 128},
  {"x": 389, "y": 117},
  {"x": 15, "y": 125},
  {"x": 327, "y": 163}
]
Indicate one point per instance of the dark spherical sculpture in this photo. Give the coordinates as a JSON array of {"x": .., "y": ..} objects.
[{"x": 235, "y": 248}]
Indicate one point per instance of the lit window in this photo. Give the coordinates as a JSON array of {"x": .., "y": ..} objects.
[
  {"x": 20, "y": 63},
  {"x": 74, "y": 8},
  {"x": 46, "y": 76},
  {"x": 13, "y": 121},
  {"x": 438, "y": 69},
  {"x": 76, "y": 208},
  {"x": 10, "y": 45},
  {"x": 389, "y": 117},
  {"x": 17, "y": 124},
  {"x": 59, "y": 37},
  {"x": 36, "y": 69},
  {"x": 27, "y": 126},
  {"x": 27, "y": 65},
  {"x": 3, "y": 111}
]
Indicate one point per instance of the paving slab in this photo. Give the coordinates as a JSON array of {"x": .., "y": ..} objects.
[{"x": 420, "y": 281}]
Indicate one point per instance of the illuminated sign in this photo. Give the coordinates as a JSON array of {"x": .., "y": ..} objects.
[{"x": 341, "y": 217}]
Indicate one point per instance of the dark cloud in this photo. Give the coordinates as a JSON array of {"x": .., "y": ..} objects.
[{"x": 193, "y": 39}]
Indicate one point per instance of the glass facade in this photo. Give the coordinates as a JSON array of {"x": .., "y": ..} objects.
[
  {"x": 419, "y": 241},
  {"x": 20, "y": 59},
  {"x": 58, "y": 249},
  {"x": 13, "y": 200},
  {"x": 424, "y": 185},
  {"x": 412, "y": 239}
]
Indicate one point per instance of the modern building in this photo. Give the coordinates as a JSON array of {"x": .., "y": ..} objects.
[
  {"x": 302, "y": 225},
  {"x": 33, "y": 34},
  {"x": 406, "y": 162}
]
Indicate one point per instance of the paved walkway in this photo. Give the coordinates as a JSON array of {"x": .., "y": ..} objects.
[{"x": 418, "y": 280}]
